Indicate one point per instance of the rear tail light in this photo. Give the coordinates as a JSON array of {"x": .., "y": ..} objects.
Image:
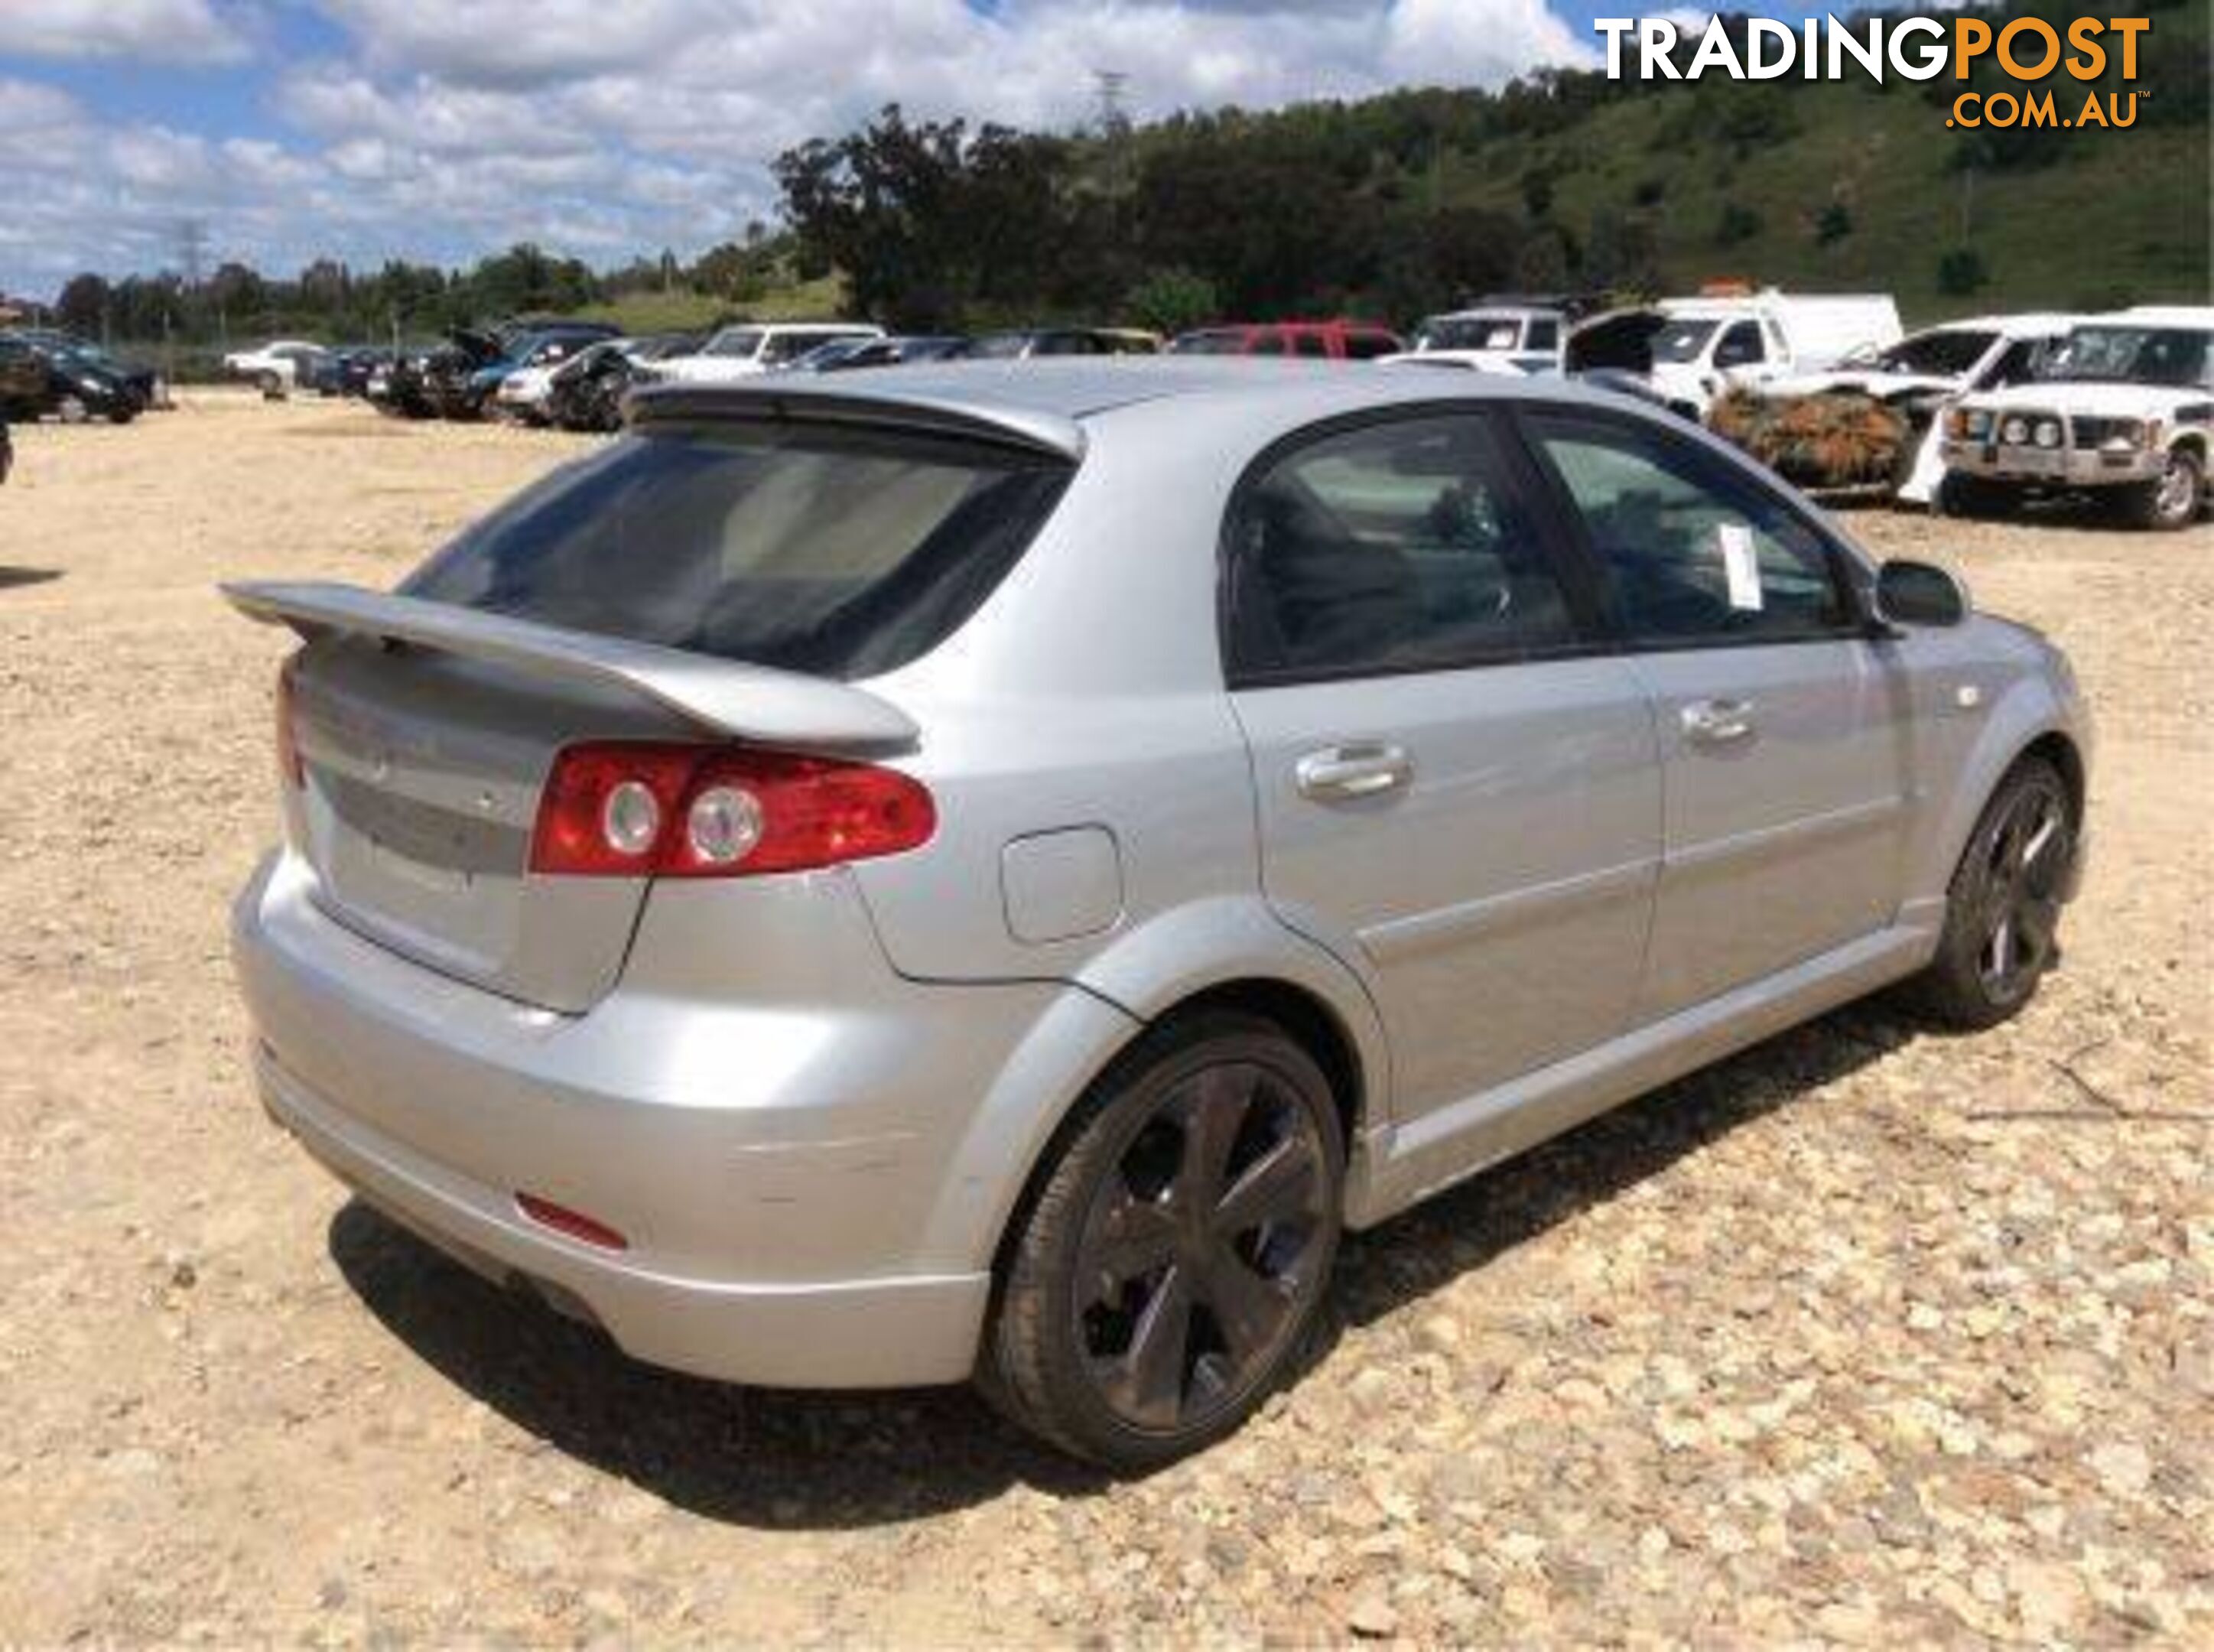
[
  {"x": 288, "y": 742},
  {"x": 640, "y": 809}
]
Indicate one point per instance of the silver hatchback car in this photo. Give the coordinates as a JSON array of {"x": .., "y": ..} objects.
[{"x": 987, "y": 871}]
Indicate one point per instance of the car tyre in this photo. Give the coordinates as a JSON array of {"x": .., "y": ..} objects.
[
  {"x": 2002, "y": 907},
  {"x": 1168, "y": 1268},
  {"x": 2170, "y": 502}
]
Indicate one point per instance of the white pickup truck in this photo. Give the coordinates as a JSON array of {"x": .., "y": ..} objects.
[
  {"x": 1691, "y": 350},
  {"x": 2124, "y": 416}
]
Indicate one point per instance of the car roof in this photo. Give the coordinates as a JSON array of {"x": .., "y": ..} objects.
[
  {"x": 2193, "y": 316},
  {"x": 1045, "y": 404}
]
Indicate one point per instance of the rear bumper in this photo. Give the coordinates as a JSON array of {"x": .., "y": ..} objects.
[
  {"x": 858, "y": 1333},
  {"x": 775, "y": 1167}
]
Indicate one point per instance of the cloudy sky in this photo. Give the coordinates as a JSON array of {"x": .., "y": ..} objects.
[{"x": 442, "y": 129}]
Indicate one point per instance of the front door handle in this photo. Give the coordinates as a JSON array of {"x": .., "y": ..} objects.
[
  {"x": 1718, "y": 722},
  {"x": 1349, "y": 772}
]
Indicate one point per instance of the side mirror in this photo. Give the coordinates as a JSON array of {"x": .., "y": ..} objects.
[{"x": 1918, "y": 593}]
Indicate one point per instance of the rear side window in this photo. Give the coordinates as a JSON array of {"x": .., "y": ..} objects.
[
  {"x": 1310, "y": 343},
  {"x": 1366, "y": 346},
  {"x": 1688, "y": 552},
  {"x": 1391, "y": 548},
  {"x": 837, "y": 552}
]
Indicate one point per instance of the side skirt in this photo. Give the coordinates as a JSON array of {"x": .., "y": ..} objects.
[{"x": 1405, "y": 1164}]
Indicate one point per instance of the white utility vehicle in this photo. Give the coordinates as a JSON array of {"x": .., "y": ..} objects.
[
  {"x": 752, "y": 347},
  {"x": 1691, "y": 350},
  {"x": 278, "y": 367},
  {"x": 1513, "y": 338},
  {"x": 2124, "y": 416},
  {"x": 1925, "y": 369}
]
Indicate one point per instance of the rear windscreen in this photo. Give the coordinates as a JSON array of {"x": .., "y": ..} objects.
[{"x": 837, "y": 552}]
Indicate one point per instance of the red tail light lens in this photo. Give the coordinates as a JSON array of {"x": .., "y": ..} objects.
[
  {"x": 640, "y": 809},
  {"x": 288, "y": 743}
]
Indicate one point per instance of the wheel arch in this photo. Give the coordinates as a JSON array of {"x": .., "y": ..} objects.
[{"x": 1232, "y": 954}]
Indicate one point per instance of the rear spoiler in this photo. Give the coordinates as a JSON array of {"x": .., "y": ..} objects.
[
  {"x": 774, "y": 397},
  {"x": 753, "y": 702}
]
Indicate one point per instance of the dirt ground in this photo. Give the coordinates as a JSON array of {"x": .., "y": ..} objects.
[{"x": 1867, "y": 1335}]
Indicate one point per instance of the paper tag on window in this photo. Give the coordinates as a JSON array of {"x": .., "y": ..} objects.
[{"x": 1740, "y": 565}]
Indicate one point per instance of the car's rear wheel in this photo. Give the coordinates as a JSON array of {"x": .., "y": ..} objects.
[
  {"x": 1168, "y": 1271},
  {"x": 2171, "y": 501},
  {"x": 2003, "y": 910}
]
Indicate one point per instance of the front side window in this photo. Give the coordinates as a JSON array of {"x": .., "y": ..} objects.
[
  {"x": 1741, "y": 345},
  {"x": 839, "y": 552},
  {"x": 1310, "y": 343},
  {"x": 1686, "y": 552},
  {"x": 1366, "y": 346},
  {"x": 1544, "y": 335},
  {"x": 743, "y": 342},
  {"x": 1390, "y": 548}
]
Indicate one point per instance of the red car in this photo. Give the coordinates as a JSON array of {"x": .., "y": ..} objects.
[{"x": 1318, "y": 340}]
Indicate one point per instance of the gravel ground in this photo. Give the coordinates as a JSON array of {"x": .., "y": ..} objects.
[{"x": 1867, "y": 1335}]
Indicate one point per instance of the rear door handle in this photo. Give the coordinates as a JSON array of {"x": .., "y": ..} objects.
[
  {"x": 1717, "y": 722},
  {"x": 1347, "y": 774}
]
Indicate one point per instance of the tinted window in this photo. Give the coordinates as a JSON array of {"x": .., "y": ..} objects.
[
  {"x": 1942, "y": 353},
  {"x": 1390, "y": 548},
  {"x": 1544, "y": 336},
  {"x": 1309, "y": 344},
  {"x": 1686, "y": 550},
  {"x": 1265, "y": 343},
  {"x": 1219, "y": 342},
  {"x": 842, "y": 553},
  {"x": 1366, "y": 346},
  {"x": 1741, "y": 344}
]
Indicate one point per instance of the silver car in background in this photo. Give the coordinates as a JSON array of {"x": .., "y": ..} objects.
[{"x": 987, "y": 871}]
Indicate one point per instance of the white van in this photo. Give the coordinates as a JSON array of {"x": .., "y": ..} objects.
[{"x": 1691, "y": 350}]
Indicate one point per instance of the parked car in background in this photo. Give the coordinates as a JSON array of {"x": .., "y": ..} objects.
[
  {"x": 2122, "y": 417},
  {"x": 41, "y": 377},
  {"x": 1338, "y": 340},
  {"x": 1029, "y": 343},
  {"x": 346, "y": 369},
  {"x": 1919, "y": 374},
  {"x": 1694, "y": 349},
  {"x": 277, "y": 368},
  {"x": 144, "y": 384},
  {"x": 753, "y": 347},
  {"x": 844, "y": 355},
  {"x": 1493, "y": 338},
  {"x": 936, "y": 873},
  {"x": 522, "y": 348}
]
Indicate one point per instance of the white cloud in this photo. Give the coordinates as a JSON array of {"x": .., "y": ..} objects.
[
  {"x": 163, "y": 31},
  {"x": 605, "y": 127}
]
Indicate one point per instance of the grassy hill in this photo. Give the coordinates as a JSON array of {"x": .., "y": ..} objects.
[
  {"x": 1845, "y": 185},
  {"x": 686, "y": 310}
]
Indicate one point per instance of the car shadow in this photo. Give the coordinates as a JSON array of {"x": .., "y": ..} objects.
[
  {"x": 10, "y": 577},
  {"x": 798, "y": 1460}
]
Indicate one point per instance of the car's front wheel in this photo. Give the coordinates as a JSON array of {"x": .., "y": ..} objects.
[
  {"x": 1169, "y": 1270},
  {"x": 2171, "y": 500},
  {"x": 2003, "y": 910}
]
